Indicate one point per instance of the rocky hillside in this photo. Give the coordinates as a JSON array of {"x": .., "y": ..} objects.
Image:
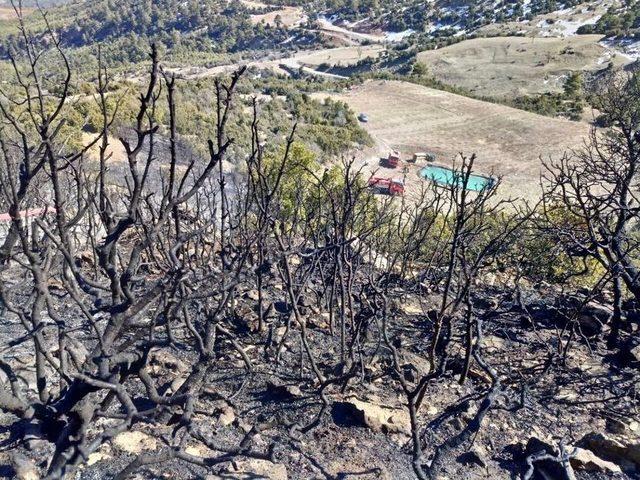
[{"x": 209, "y": 272}]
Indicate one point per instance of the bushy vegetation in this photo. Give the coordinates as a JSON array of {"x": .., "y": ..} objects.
[
  {"x": 399, "y": 15},
  {"x": 621, "y": 20},
  {"x": 328, "y": 127},
  {"x": 125, "y": 29},
  {"x": 570, "y": 103}
]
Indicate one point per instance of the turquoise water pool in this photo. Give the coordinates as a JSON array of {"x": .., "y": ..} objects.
[{"x": 446, "y": 176}]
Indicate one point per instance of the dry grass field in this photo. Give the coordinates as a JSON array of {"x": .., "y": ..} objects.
[
  {"x": 339, "y": 56},
  {"x": 508, "y": 66},
  {"x": 8, "y": 13},
  {"x": 115, "y": 152},
  {"x": 507, "y": 141},
  {"x": 289, "y": 16}
]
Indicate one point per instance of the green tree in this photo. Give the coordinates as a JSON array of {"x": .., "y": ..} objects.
[
  {"x": 573, "y": 85},
  {"x": 419, "y": 69}
]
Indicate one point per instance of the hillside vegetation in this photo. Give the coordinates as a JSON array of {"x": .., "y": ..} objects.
[
  {"x": 421, "y": 16},
  {"x": 125, "y": 29},
  {"x": 622, "y": 20}
]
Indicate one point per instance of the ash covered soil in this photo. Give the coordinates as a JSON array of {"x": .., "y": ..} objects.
[{"x": 550, "y": 396}]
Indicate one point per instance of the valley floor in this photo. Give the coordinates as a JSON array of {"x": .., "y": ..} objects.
[{"x": 508, "y": 142}]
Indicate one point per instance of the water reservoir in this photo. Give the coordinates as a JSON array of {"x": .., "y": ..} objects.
[{"x": 446, "y": 176}]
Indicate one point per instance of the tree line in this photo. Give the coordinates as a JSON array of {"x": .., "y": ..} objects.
[{"x": 124, "y": 29}]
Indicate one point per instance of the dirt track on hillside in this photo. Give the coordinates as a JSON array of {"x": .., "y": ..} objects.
[{"x": 308, "y": 59}]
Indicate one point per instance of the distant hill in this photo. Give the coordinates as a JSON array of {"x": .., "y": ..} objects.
[
  {"x": 428, "y": 17},
  {"x": 512, "y": 66},
  {"x": 33, "y": 3},
  {"x": 187, "y": 28},
  {"x": 125, "y": 28}
]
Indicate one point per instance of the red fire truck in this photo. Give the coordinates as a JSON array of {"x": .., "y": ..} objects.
[{"x": 393, "y": 160}]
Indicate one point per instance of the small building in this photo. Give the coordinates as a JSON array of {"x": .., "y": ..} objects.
[{"x": 423, "y": 157}]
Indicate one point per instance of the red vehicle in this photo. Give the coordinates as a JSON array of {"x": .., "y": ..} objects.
[
  {"x": 32, "y": 212},
  {"x": 387, "y": 186},
  {"x": 393, "y": 160}
]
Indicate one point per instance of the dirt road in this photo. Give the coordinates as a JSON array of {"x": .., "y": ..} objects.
[{"x": 308, "y": 60}]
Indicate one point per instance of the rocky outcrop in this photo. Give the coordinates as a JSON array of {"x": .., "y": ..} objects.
[
  {"x": 545, "y": 468},
  {"x": 253, "y": 469},
  {"x": 24, "y": 468},
  {"x": 586, "y": 460},
  {"x": 623, "y": 450},
  {"x": 134, "y": 442},
  {"x": 377, "y": 417},
  {"x": 590, "y": 316},
  {"x": 276, "y": 391},
  {"x": 623, "y": 427}
]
